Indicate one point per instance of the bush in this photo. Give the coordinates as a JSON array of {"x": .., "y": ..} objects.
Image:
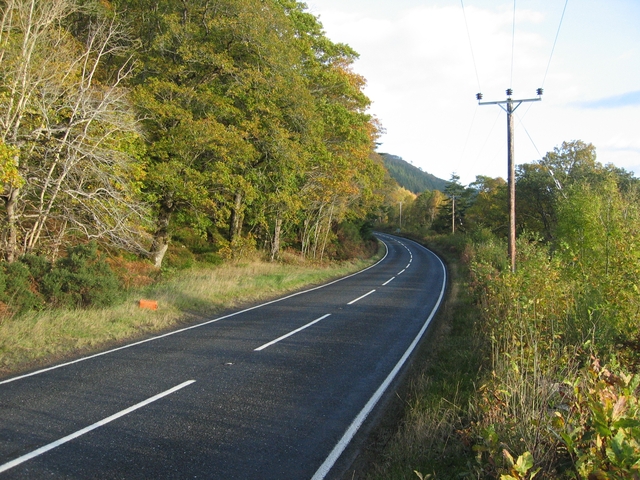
[
  {"x": 353, "y": 241},
  {"x": 20, "y": 291},
  {"x": 38, "y": 266},
  {"x": 81, "y": 279},
  {"x": 178, "y": 258},
  {"x": 210, "y": 258}
]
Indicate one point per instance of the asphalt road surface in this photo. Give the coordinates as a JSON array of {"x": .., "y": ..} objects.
[{"x": 276, "y": 391}]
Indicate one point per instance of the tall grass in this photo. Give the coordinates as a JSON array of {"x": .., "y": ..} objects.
[{"x": 37, "y": 338}]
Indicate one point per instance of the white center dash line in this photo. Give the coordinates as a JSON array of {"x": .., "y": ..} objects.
[
  {"x": 57, "y": 443},
  {"x": 360, "y": 298},
  {"x": 389, "y": 281},
  {"x": 290, "y": 333},
  {"x": 402, "y": 271},
  {"x": 408, "y": 265}
]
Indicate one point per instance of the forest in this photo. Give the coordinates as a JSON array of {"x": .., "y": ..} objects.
[
  {"x": 131, "y": 122},
  {"x": 409, "y": 176}
]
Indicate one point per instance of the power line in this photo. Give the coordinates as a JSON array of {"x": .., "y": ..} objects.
[
  {"x": 513, "y": 42},
  {"x": 555, "y": 41},
  {"x": 470, "y": 45},
  {"x": 555, "y": 180},
  {"x": 551, "y": 56},
  {"x": 527, "y": 132}
]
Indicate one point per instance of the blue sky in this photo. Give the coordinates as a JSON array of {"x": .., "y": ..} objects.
[{"x": 421, "y": 77}]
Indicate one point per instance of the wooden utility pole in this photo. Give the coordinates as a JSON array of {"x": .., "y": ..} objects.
[
  {"x": 453, "y": 214},
  {"x": 510, "y": 108}
]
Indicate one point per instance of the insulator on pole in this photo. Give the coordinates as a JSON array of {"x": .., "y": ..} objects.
[
  {"x": 479, "y": 96},
  {"x": 509, "y": 92},
  {"x": 540, "y": 91}
]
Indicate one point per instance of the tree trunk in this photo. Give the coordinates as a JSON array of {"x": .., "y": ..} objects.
[
  {"x": 161, "y": 238},
  {"x": 11, "y": 230},
  {"x": 326, "y": 235},
  {"x": 235, "y": 222},
  {"x": 275, "y": 245}
]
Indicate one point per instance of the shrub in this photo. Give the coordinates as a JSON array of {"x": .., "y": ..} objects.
[
  {"x": 38, "y": 266},
  {"x": 20, "y": 291},
  {"x": 179, "y": 258},
  {"x": 81, "y": 279},
  {"x": 210, "y": 258},
  {"x": 600, "y": 424},
  {"x": 353, "y": 241}
]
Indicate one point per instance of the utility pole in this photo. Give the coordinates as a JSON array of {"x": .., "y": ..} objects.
[
  {"x": 400, "y": 225},
  {"x": 453, "y": 214},
  {"x": 510, "y": 108}
]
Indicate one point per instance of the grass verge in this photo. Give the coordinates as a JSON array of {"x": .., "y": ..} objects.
[
  {"x": 423, "y": 433},
  {"x": 40, "y": 338}
]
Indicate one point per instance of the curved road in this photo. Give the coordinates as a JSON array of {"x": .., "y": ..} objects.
[{"x": 276, "y": 391}]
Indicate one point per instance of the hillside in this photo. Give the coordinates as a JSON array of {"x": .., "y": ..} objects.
[{"x": 410, "y": 177}]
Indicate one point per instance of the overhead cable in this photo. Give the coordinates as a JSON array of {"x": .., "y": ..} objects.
[
  {"x": 555, "y": 41},
  {"x": 470, "y": 45},
  {"x": 513, "y": 42}
]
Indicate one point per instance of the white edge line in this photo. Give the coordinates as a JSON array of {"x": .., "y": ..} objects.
[
  {"x": 174, "y": 332},
  {"x": 389, "y": 281},
  {"x": 291, "y": 333},
  {"x": 360, "y": 298},
  {"x": 122, "y": 413},
  {"x": 359, "y": 420}
]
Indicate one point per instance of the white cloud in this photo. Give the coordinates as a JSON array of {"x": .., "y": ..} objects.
[{"x": 421, "y": 78}]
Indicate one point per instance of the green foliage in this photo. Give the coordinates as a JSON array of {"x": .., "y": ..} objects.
[
  {"x": 521, "y": 469},
  {"x": 82, "y": 279},
  {"x": 38, "y": 266},
  {"x": 601, "y": 427},
  {"x": 255, "y": 121},
  {"x": 179, "y": 258},
  {"x": 20, "y": 290},
  {"x": 210, "y": 258},
  {"x": 9, "y": 173}
]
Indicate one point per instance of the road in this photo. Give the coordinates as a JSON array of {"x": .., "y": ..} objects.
[{"x": 276, "y": 391}]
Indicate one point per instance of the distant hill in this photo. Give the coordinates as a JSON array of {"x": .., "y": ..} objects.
[{"x": 410, "y": 177}]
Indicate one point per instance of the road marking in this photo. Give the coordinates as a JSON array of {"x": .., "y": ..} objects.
[
  {"x": 389, "y": 281},
  {"x": 359, "y": 420},
  {"x": 360, "y": 298},
  {"x": 291, "y": 333},
  {"x": 175, "y": 332},
  {"x": 57, "y": 443},
  {"x": 402, "y": 271},
  {"x": 408, "y": 265}
]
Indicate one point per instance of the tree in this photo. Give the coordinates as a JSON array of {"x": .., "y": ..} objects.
[
  {"x": 598, "y": 236},
  {"x": 488, "y": 207},
  {"x": 66, "y": 121},
  {"x": 340, "y": 178},
  {"x": 542, "y": 185},
  {"x": 421, "y": 213},
  {"x": 453, "y": 209}
]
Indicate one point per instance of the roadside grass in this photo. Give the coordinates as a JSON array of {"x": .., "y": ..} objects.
[
  {"x": 39, "y": 338},
  {"x": 440, "y": 386}
]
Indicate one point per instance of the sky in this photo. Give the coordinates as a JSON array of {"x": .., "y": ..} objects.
[{"x": 425, "y": 60}]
